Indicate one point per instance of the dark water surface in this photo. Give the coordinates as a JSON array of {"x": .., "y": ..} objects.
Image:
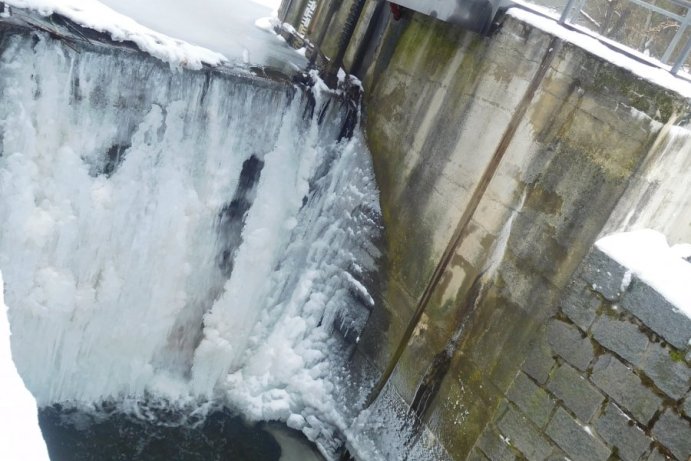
[{"x": 74, "y": 435}]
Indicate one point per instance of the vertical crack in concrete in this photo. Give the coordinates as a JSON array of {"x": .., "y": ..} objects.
[
  {"x": 457, "y": 237},
  {"x": 441, "y": 363}
]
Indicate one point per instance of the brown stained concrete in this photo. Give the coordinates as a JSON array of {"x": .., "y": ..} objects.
[
  {"x": 438, "y": 102},
  {"x": 433, "y": 120}
]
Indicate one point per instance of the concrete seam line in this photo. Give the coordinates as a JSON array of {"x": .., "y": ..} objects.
[{"x": 552, "y": 49}]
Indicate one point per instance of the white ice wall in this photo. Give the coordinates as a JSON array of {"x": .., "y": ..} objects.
[{"x": 20, "y": 436}]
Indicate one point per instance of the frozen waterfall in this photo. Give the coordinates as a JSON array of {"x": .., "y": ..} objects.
[{"x": 181, "y": 236}]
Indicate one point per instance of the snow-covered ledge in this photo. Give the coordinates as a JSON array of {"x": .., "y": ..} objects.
[
  {"x": 646, "y": 256},
  {"x": 94, "y": 15}
]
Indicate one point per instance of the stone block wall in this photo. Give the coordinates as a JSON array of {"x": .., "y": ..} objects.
[{"x": 608, "y": 378}]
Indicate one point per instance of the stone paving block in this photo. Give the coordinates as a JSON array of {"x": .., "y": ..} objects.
[
  {"x": 521, "y": 434},
  {"x": 687, "y": 406},
  {"x": 493, "y": 447},
  {"x": 674, "y": 432},
  {"x": 603, "y": 274},
  {"x": 539, "y": 362},
  {"x": 577, "y": 441},
  {"x": 622, "y": 384},
  {"x": 657, "y": 313},
  {"x": 581, "y": 397},
  {"x": 619, "y": 431},
  {"x": 566, "y": 340},
  {"x": 622, "y": 337},
  {"x": 534, "y": 401},
  {"x": 580, "y": 305},
  {"x": 673, "y": 377}
]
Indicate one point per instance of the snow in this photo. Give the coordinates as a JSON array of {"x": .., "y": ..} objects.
[
  {"x": 231, "y": 27},
  {"x": 647, "y": 254},
  {"x": 225, "y": 26},
  {"x": 94, "y": 15},
  {"x": 20, "y": 436},
  {"x": 682, "y": 250},
  {"x": 657, "y": 75}
]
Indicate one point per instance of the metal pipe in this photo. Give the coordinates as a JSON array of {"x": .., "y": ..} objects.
[
  {"x": 378, "y": 17},
  {"x": 285, "y": 11},
  {"x": 346, "y": 35},
  {"x": 677, "y": 37},
  {"x": 658, "y": 10},
  {"x": 566, "y": 13},
  {"x": 682, "y": 58},
  {"x": 333, "y": 6}
]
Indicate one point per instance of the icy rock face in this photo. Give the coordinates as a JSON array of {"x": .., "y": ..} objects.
[{"x": 178, "y": 235}]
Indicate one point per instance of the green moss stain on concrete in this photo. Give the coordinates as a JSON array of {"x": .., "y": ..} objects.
[
  {"x": 636, "y": 92},
  {"x": 470, "y": 391},
  {"x": 426, "y": 45},
  {"x": 459, "y": 399},
  {"x": 404, "y": 106},
  {"x": 586, "y": 141},
  {"x": 545, "y": 201}
]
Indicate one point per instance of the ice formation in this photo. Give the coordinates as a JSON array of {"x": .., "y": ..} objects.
[
  {"x": 178, "y": 235},
  {"x": 20, "y": 436}
]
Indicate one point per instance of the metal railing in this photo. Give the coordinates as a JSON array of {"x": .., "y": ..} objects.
[
  {"x": 576, "y": 8},
  {"x": 657, "y": 31}
]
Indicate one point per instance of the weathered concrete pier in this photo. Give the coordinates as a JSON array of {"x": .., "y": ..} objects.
[{"x": 501, "y": 160}]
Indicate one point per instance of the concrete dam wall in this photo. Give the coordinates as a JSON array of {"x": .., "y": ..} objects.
[
  {"x": 489, "y": 328},
  {"x": 500, "y": 161}
]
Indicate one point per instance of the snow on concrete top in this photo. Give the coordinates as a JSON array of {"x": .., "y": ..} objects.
[
  {"x": 94, "y": 15},
  {"x": 594, "y": 46},
  {"x": 646, "y": 253}
]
